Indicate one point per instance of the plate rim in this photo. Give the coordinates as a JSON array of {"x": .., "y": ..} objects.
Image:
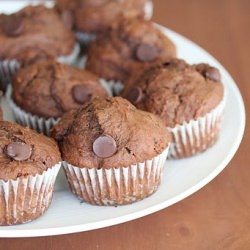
[{"x": 8, "y": 233}]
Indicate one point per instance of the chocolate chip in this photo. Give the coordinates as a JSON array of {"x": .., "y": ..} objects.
[
  {"x": 212, "y": 74},
  {"x": 104, "y": 146},
  {"x": 67, "y": 18},
  {"x": 80, "y": 94},
  {"x": 19, "y": 151},
  {"x": 13, "y": 25},
  {"x": 134, "y": 95},
  {"x": 146, "y": 53}
]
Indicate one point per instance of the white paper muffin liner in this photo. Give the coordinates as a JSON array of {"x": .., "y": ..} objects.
[
  {"x": 106, "y": 86},
  {"x": 72, "y": 58},
  {"x": 81, "y": 62},
  {"x": 116, "y": 87},
  {"x": 34, "y": 122},
  {"x": 85, "y": 38},
  {"x": 149, "y": 9},
  {"x": 8, "y": 67},
  {"x": 195, "y": 136},
  {"x": 25, "y": 199},
  {"x": 116, "y": 186}
]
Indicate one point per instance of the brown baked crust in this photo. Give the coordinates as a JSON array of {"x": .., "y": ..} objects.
[
  {"x": 45, "y": 153},
  {"x": 95, "y": 16},
  {"x": 113, "y": 55},
  {"x": 45, "y": 89},
  {"x": 176, "y": 91},
  {"x": 139, "y": 135},
  {"x": 42, "y": 31}
]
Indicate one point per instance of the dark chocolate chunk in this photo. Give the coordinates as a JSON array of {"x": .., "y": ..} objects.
[
  {"x": 212, "y": 74},
  {"x": 19, "y": 151},
  {"x": 80, "y": 94},
  {"x": 13, "y": 25},
  {"x": 146, "y": 53},
  {"x": 104, "y": 146},
  {"x": 134, "y": 95}
]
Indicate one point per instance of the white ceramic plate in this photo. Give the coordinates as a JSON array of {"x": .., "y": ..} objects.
[{"x": 181, "y": 178}]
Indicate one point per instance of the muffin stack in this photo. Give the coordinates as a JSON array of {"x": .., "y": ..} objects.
[{"x": 114, "y": 120}]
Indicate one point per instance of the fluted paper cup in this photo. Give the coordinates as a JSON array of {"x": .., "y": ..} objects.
[
  {"x": 26, "y": 198},
  {"x": 9, "y": 67},
  {"x": 40, "y": 124},
  {"x": 116, "y": 87},
  {"x": 116, "y": 186},
  {"x": 85, "y": 38},
  {"x": 72, "y": 58},
  {"x": 106, "y": 86},
  {"x": 149, "y": 9},
  {"x": 196, "y": 136}
]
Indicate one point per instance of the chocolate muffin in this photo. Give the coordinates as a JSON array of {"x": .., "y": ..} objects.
[
  {"x": 113, "y": 153},
  {"x": 27, "y": 36},
  {"x": 95, "y": 16},
  {"x": 188, "y": 98},
  {"x": 46, "y": 90},
  {"x": 129, "y": 44},
  {"x": 29, "y": 163}
]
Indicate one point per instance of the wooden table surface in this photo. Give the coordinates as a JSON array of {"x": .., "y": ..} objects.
[{"x": 217, "y": 216}]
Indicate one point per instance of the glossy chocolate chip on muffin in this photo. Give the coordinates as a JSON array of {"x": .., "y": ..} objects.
[
  {"x": 48, "y": 89},
  {"x": 95, "y": 16},
  {"x": 111, "y": 139},
  {"x": 29, "y": 163},
  {"x": 180, "y": 94},
  {"x": 129, "y": 44}
]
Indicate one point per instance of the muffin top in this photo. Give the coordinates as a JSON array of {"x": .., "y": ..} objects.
[
  {"x": 176, "y": 91},
  {"x": 49, "y": 89},
  {"x": 29, "y": 35},
  {"x": 130, "y": 43},
  {"x": 108, "y": 133},
  {"x": 95, "y": 16},
  {"x": 23, "y": 152}
]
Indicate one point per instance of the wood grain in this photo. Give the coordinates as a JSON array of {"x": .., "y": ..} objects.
[{"x": 218, "y": 216}]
